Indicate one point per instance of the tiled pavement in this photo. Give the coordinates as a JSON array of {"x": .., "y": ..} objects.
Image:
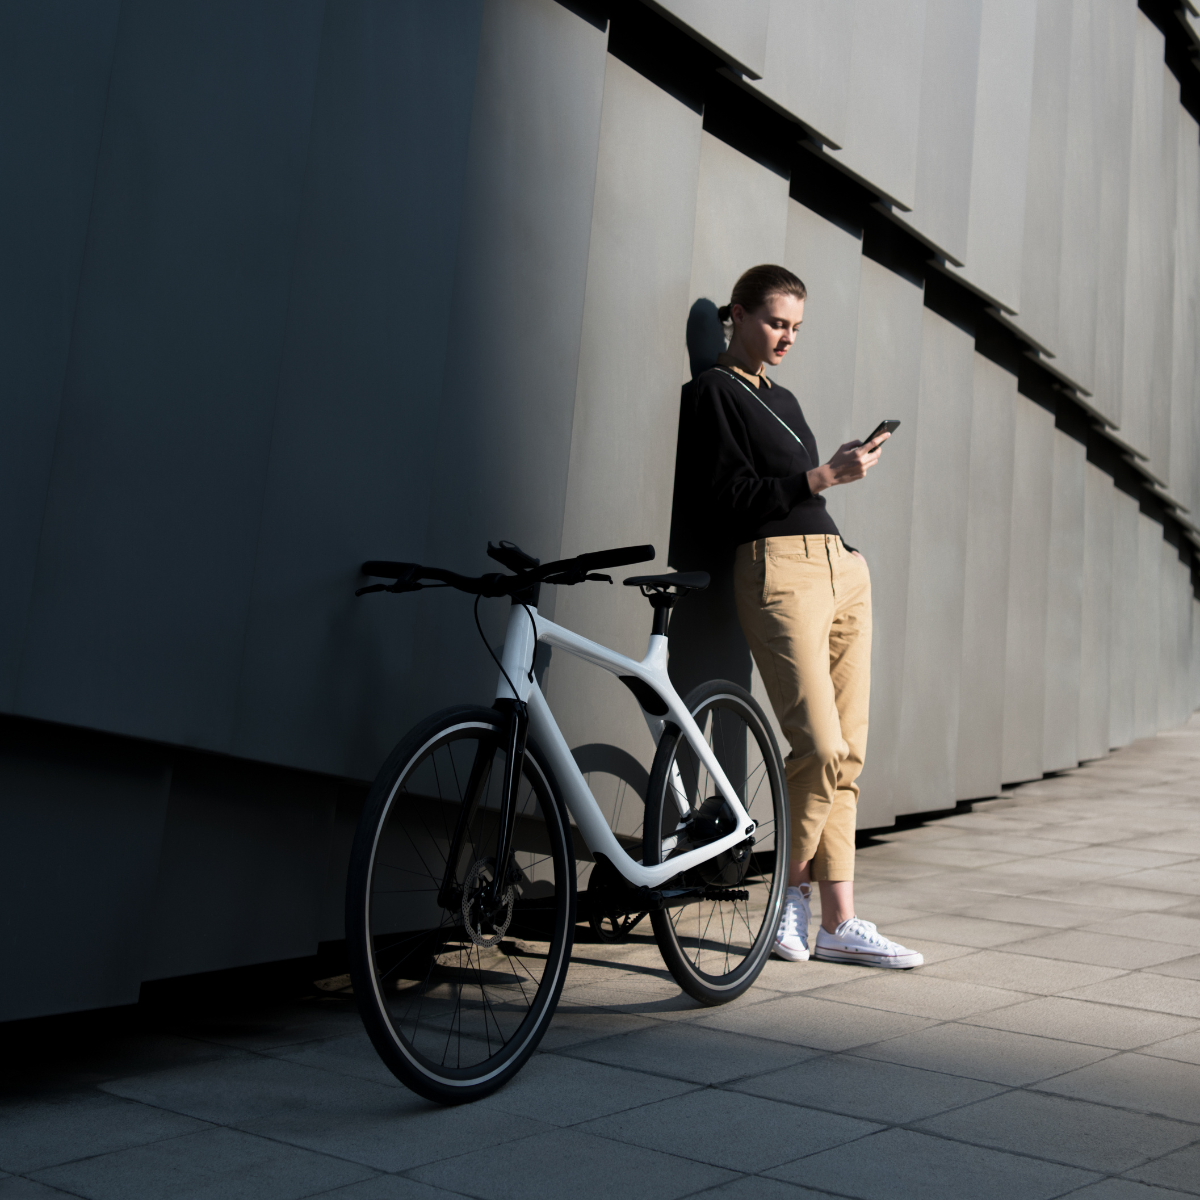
[{"x": 1050, "y": 1047}]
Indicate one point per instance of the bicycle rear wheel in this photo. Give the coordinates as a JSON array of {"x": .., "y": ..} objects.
[
  {"x": 715, "y": 947},
  {"x": 455, "y": 999}
]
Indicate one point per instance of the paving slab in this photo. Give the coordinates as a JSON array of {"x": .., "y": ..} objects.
[
  {"x": 921, "y": 995},
  {"x": 216, "y": 1162},
  {"x": 1066, "y": 1131},
  {"x": 48, "y": 1130},
  {"x": 1104, "y": 950},
  {"x": 1180, "y": 1170},
  {"x": 1086, "y": 1021},
  {"x": 725, "y": 1129},
  {"x": 570, "y": 1162},
  {"x": 1138, "y": 1082},
  {"x": 871, "y": 1089},
  {"x": 821, "y": 1024},
  {"x": 697, "y": 1055},
  {"x": 1183, "y": 1049},
  {"x": 13, "y": 1187},
  {"x": 1124, "y": 1189},
  {"x": 993, "y": 1055},
  {"x": 962, "y": 931},
  {"x": 389, "y": 1187},
  {"x": 1156, "y": 993},
  {"x": 758, "y": 1187},
  {"x": 558, "y": 1090},
  {"x": 998, "y": 968},
  {"x": 901, "y": 1162}
]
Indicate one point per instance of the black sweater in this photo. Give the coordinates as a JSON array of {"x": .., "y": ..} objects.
[{"x": 744, "y": 475}]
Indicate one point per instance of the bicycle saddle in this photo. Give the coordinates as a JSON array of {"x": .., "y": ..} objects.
[{"x": 682, "y": 581}]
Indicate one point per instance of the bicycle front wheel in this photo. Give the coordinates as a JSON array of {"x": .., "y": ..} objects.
[
  {"x": 716, "y": 945},
  {"x": 454, "y": 994}
]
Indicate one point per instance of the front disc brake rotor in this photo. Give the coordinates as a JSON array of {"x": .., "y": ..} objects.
[{"x": 479, "y": 879}]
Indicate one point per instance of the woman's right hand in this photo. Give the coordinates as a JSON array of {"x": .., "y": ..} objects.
[{"x": 852, "y": 461}]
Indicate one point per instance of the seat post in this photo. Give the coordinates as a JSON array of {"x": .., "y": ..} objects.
[{"x": 662, "y": 603}]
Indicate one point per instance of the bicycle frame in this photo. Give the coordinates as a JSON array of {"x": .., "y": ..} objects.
[{"x": 582, "y": 805}]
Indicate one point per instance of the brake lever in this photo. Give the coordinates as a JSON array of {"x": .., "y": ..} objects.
[{"x": 375, "y": 587}]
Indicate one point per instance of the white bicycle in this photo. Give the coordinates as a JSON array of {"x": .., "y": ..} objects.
[{"x": 461, "y": 896}]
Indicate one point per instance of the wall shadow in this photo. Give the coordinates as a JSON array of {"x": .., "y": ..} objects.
[{"x": 706, "y": 639}]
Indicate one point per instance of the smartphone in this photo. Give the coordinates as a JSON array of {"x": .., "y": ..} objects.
[{"x": 882, "y": 427}]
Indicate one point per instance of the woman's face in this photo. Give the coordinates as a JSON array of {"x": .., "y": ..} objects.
[{"x": 767, "y": 334}]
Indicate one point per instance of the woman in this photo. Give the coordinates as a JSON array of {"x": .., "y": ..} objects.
[{"x": 803, "y": 599}]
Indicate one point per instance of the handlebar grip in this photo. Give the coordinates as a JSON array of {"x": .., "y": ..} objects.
[{"x": 623, "y": 556}]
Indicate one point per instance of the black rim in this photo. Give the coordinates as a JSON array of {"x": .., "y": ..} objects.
[{"x": 460, "y": 989}]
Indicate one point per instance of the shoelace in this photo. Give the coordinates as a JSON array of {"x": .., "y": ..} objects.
[
  {"x": 791, "y": 919},
  {"x": 867, "y": 931}
]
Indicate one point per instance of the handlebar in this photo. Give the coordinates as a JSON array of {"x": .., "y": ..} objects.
[{"x": 412, "y": 577}]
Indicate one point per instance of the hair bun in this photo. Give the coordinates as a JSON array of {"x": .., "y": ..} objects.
[{"x": 724, "y": 313}]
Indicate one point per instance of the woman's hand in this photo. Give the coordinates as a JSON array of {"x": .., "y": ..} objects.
[{"x": 852, "y": 461}]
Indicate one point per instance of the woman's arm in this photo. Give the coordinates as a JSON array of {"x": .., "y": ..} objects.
[{"x": 851, "y": 462}]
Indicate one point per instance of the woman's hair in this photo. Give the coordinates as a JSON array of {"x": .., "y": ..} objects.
[{"x": 755, "y": 285}]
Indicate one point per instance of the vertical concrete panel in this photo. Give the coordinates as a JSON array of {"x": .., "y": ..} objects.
[
  {"x": 164, "y": 436},
  {"x": 55, "y": 62},
  {"x": 820, "y": 369},
  {"x": 949, "y": 81},
  {"x": 1041, "y": 253},
  {"x": 352, "y": 445},
  {"x": 1147, "y": 631},
  {"x": 1142, "y": 266},
  {"x": 1064, "y": 605},
  {"x": 1075, "y": 347},
  {"x": 807, "y": 72},
  {"x": 1160, "y": 379},
  {"x": 1122, "y": 675},
  {"x": 503, "y": 437},
  {"x": 1185, "y": 345},
  {"x": 884, "y": 112},
  {"x": 626, "y": 412},
  {"x": 741, "y": 220},
  {"x": 242, "y": 867},
  {"x": 737, "y": 32},
  {"x": 83, "y": 821},
  {"x": 927, "y": 746},
  {"x": 994, "y": 401},
  {"x": 1000, "y": 150},
  {"x": 1115, "y": 24},
  {"x": 878, "y": 509},
  {"x": 1168, "y": 635},
  {"x": 1097, "y": 625},
  {"x": 1180, "y": 649},
  {"x": 1028, "y": 591}
]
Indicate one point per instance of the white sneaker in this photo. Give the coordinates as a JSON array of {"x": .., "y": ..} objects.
[
  {"x": 858, "y": 941},
  {"x": 791, "y": 938}
]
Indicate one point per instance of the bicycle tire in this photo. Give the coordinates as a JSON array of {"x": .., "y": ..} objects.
[
  {"x": 455, "y": 1002},
  {"x": 717, "y": 964}
]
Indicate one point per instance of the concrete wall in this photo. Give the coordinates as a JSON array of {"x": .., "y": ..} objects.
[{"x": 286, "y": 288}]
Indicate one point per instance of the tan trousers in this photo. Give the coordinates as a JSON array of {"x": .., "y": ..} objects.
[{"x": 805, "y": 607}]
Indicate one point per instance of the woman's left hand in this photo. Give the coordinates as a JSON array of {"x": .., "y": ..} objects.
[{"x": 857, "y": 555}]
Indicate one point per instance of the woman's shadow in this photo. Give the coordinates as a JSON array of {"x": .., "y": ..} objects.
[{"x": 706, "y": 639}]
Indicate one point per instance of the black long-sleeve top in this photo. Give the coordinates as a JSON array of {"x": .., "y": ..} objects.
[{"x": 746, "y": 474}]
